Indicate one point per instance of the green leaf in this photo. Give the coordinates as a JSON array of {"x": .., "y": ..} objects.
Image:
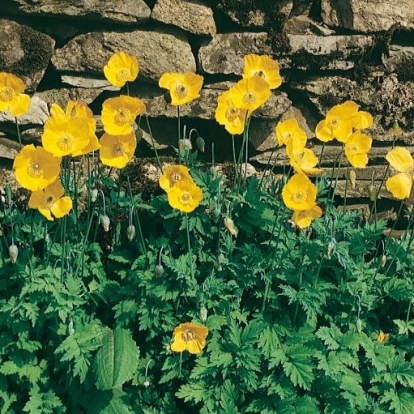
[
  {"x": 402, "y": 402},
  {"x": 117, "y": 359},
  {"x": 298, "y": 366},
  {"x": 330, "y": 336}
]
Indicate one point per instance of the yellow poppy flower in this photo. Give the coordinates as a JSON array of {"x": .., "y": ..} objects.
[
  {"x": 183, "y": 87},
  {"x": 290, "y": 130},
  {"x": 118, "y": 114},
  {"x": 338, "y": 122},
  {"x": 93, "y": 145},
  {"x": 400, "y": 184},
  {"x": 121, "y": 68},
  {"x": 299, "y": 193},
  {"x": 51, "y": 201},
  {"x": 303, "y": 218},
  {"x": 12, "y": 97},
  {"x": 356, "y": 149},
  {"x": 362, "y": 120},
  {"x": 65, "y": 136},
  {"x": 117, "y": 150},
  {"x": 303, "y": 160},
  {"x": 382, "y": 337},
  {"x": 35, "y": 168},
  {"x": 250, "y": 93},
  {"x": 229, "y": 115},
  {"x": 185, "y": 196},
  {"x": 174, "y": 174},
  {"x": 263, "y": 66},
  {"x": 189, "y": 337}
]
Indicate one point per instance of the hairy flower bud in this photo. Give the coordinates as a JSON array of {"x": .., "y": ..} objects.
[
  {"x": 383, "y": 260},
  {"x": 94, "y": 195},
  {"x": 159, "y": 270},
  {"x": 13, "y": 253},
  {"x": 104, "y": 220},
  {"x": 229, "y": 224},
  {"x": 201, "y": 144},
  {"x": 359, "y": 325},
  {"x": 352, "y": 179},
  {"x": 130, "y": 232},
  {"x": 203, "y": 313},
  {"x": 372, "y": 192}
]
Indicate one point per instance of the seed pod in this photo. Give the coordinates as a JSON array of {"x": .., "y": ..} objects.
[
  {"x": 159, "y": 270},
  {"x": 13, "y": 253},
  {"x": 104, "y": 220},
  {"x": 352, "y": 178},
  {"x": 130, "y": 232},
  {"x": 94, "y": 195},
  {"x": 229, "y": 224},
  {"x": 372, "y": 192},
  {"x": 203, "y": 314}
]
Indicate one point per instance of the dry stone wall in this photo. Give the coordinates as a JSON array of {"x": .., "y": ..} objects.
[{"x": 328, "y": 50}]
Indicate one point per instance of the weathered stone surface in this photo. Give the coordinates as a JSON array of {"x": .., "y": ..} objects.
[
  {"x": 363, "y": 16},
  {"x": 24, "y": 52},
  {"x": 157, "y": 52},
  {"x": 8, "y": 148},
  {"x": 192, "y": 17},
  {"x": 327, "y": 52},
  {"x": 63, "y": 95},
  {"x": 224, "y": 54},
  {"x": 89, "y": 83},
  {"x": 260, "y": 13},
  {"x": 125, "y": 11},
  {"x": 400, "y": 60},
  {"x": 37, "y": 114}
]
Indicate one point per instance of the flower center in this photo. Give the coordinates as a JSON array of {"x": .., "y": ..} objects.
[
  {"x": 49, "y": 201},
  {"x": 353, "y": 149},
  {"x": 123, "y": 74},
  {"x": 187, "y": 335},
  {"x": 175, "y": 176},
  {"x": 66, "y": 142},
  {"x": 118, "y": 150},
  {"x": 299, "y": 196},
  {"x": 6, "y": 94},
  {"x": 232, "y": 113},
  {"x": 286, "y": 137},
  {"x": 334, "y": 123},
  {"x": 259, "y": 73},
  {"x": 410, "y": 171},
  {"x": 181, "y": 91},
  {"x": 123, "y": 116},
  {"x": 185, "y": 198},
  {"x": 249, "y": 98},
  {"x": 34, "y": 170}
]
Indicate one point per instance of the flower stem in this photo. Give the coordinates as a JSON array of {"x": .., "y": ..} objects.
[{"x": 153, "y": 143}]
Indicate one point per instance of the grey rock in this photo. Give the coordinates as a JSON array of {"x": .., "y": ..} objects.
[
  {"x": 24, "y": 52},
  {"x": 225, "y": 52},
  {"x": 363, "y": 16},
  {"x": 305, "y": 25},
  {"x": 400, "y": 60},
  {"x": 157, "y": 53},
  {"x": 89, "y": 83},
  {"x": 63, "y": 95},
  {"x": 126, "y": 11},
  {"x": 37, "y": 114},
  {"x": 193, "y": 17},
  {"x": 8, "y": 148}
]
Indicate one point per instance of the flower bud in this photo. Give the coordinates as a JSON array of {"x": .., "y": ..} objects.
[
  {"x": 203, "y": 313},
  {"x": 13, "y": 253},
  {"x": 201, "y": 144},
  {"x": 359, "y": 325},
  {"x": 229, "y": 224},
  {"x": 185, "y": 144},
  {"x": 383, "y": 260},
  {"x": 216, "y": 213},
  {"x": 159, "y": 270},
  {"x": 94, "y": 195},
  {"x": 146, "y": 384},
  {"x": 213, "y": 172},
  {"x": 331, "y": 248},
  {"x": 130, "y": 232},
  {"x": 104, "y": 220},
  {"x": 372, "y": 192}
]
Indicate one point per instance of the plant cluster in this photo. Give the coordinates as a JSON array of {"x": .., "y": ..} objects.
[{"x": 218, "y": 295}]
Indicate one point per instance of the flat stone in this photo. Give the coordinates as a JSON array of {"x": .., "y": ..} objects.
[
  {"x": 305, "y": 25},
  {"x": 400, "y": 60},
  {"x": 225, "y": 53},
  {"x": 125, "y": 11},
  {"x": 63, "y": 95},
  {"x": 89, "y": 83},
  {"x": 192, "y": 17},
  {"x": 8, "y": 148},
  {"x": 363, "y": 16},
  {"x": 90, "y": 52},
  {"x": 24, "y": 52}
]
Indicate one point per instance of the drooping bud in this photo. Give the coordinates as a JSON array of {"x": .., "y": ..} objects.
[
  {"x": 396, "y": 130},
  {"x": 216, "y": 213},
  {"x": 201, "y": 144},
  {"x": 104, "y": 220},
  {"x": 130, "y": 232},
  {"x": 13, "y": 253},
  {"x": 185, "y": 144},
  {"x": 231, "y": 228},
  {"x": 94, "y": 195},
  {"x": 159, "y": 270},
  {"x": 359, "y": 325},
  {"x": 331, "y": 248},
  {"x": 372, "y": 192},
  {"x": 383, "y": 260},
  {"x": 352, "y": 178}
]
